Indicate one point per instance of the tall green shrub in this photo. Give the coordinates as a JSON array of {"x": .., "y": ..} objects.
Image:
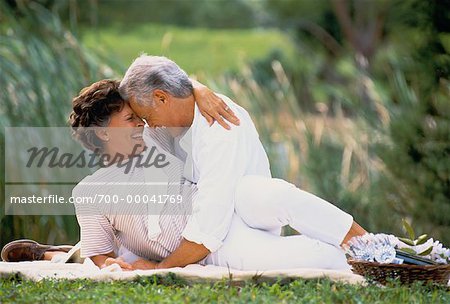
[
  {"x": 42, "y": 67},
  {"x": 417, "y": 160}
]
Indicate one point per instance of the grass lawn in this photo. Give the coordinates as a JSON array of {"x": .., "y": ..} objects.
[
  {"x": 205, "y": 52},
  {"x": 172, "y": 289}
]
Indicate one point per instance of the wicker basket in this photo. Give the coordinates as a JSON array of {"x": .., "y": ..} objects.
[{"x": 405, "y": 273}]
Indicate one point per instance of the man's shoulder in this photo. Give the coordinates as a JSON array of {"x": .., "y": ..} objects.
[
  {"x": 217, "y": 131},
  {"x": 234, "y": 106},
  {"x": 204, "y": 132}
]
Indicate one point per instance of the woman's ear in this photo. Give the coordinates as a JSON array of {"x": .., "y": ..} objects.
[{"x": 102, "y": 133}]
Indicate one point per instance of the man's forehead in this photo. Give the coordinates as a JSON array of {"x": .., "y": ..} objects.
[{"x": 139, "y": 109}]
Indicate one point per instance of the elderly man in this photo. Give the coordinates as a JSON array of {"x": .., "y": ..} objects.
[{"x": 238, "y": 209}]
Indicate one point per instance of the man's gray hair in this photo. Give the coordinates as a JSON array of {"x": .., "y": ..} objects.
[{"x": 149, "y": 73}]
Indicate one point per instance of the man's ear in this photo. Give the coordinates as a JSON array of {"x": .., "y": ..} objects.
[{"x": 160, "y": 96}]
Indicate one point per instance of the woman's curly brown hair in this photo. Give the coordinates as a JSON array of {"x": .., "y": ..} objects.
[{"x": 93, "y": 107}]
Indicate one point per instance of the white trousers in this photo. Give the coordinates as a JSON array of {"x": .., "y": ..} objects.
[{"x": 262, "y": 207}]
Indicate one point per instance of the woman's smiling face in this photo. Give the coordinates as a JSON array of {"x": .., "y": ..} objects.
[{"x": 124, "y": 133}]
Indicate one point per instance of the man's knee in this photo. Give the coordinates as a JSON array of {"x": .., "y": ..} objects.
[
  {"x": 257, "y": 190},
  {"x": 248, "y": 190}
]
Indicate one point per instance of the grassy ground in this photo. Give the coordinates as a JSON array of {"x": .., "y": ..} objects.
[
  {"x": 197, "y": 50},
  {"x": 171, "y": 289}
]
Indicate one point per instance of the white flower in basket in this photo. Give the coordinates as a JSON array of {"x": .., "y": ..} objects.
[{"x": 384, "y": 248}]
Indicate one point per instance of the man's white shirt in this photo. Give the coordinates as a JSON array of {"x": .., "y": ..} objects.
[{"x": 216, "y": 159}]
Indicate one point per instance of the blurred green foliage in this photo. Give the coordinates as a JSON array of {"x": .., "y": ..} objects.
[
  {"x": 42, "y": 67},
  {"x": 198, "y": 13},
  {"x": 385, "y": 65},
  {"x": 200, "y": 51}
]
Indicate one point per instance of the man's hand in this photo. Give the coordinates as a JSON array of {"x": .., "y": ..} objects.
[{"x": 212, "y": 107}]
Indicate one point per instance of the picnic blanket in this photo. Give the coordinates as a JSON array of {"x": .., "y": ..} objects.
[
  {"x": 58, "y": 268},
  {"x": 195, "y": 273}
]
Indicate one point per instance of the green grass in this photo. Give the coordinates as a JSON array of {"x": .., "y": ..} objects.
[
  {"x": 197, "y": 50},
  {"x": 171, "y": 289}
]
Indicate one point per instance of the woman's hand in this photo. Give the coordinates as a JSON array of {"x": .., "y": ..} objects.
[
  {"x": 141, "y": 264},
  {"x": 212, "y": 107},
  {"x": 119, "y": 261}
]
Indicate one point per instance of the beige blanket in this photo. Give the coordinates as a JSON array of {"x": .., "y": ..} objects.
[{"x": 39, "y": 270}]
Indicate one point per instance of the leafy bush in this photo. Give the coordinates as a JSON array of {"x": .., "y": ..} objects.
[
  {"x": 388, "y": 161},
  {"x": 417, "y": 159},
  {"x": 42, "y": 66}
]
